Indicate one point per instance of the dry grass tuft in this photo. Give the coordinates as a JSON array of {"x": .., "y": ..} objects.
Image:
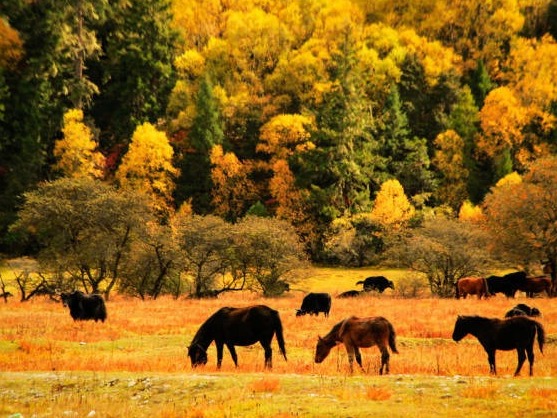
[
  {"x": 375, "y": 393},
  {"x": 265, "y": 384},
  {"x": 487, "y": 390}
]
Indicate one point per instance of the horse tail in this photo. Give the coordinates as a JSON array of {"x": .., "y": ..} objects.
[
  {"x": 360, "y": 282},
  {"x": 541, "y": 335},
  {"x": 280, "y": 336},
  {"x": 392, "y": 338}
]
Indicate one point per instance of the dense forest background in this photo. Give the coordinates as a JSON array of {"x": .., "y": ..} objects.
[{"x": 341, "y": 118}]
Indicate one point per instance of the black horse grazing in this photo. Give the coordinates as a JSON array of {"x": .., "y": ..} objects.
[
  {"x": 356, "y": 332},
  {"x": 516, "y": 333},
  {"x": 237, "y": 326},
  {"x": 84, "y": 307}
]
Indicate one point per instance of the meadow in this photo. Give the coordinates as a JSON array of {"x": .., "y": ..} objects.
[{"x": 135, "y": 364}]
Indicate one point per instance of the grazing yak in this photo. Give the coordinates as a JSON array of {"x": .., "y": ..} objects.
[
  {"x": 523, "y": 310},
  {"x": 508, "y": 284},
  {"x": 84, "y": 307},
  {"x": 313, "y": 303},
  {"x": 350, "y": 294},
  {"x": 471, "y": 286},
  {"x": 379, "y": 283}
]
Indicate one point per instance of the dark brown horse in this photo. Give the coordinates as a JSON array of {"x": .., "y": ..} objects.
[
  {"x": 537, "y": 284},
  {"x": 237, "y": 326},
  {"x": 471, "y": 286},
  {"x": 356, "y": 332},
  {"x": 516, "y": 333}
]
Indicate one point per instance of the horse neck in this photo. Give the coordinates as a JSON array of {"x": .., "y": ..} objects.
[
  {"x": 481, "y": 332},
  {"x": 204, "y": 336},
  {"x": 333, "y": 337}
]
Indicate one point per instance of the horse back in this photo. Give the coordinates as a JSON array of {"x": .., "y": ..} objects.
[{"x": 365, "y": 332}]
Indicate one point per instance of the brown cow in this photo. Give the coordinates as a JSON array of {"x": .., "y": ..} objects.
[
  {"x": 471, "y": 286},
  {"x": 536, "y": 284}
]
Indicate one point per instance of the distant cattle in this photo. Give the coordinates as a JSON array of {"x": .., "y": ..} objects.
[
  {"x": 379, "y": 283},
  {"x": 507, "y": 284},
  {"x": 471, "y": 286},
  {"x": 349, "y": 294},
  {"x": 537, "y": 284},
  {"x": 313, "y": 303},
  {"x": 85, "y": 307},
  {"x": 522, "y": 310}
]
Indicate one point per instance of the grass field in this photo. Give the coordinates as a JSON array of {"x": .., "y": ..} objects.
[{"x": 135, "y": 364}]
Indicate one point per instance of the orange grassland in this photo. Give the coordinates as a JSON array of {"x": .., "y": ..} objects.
[
  {"x": 135, "y": 364},
  {"x": 152, "y": 336}
]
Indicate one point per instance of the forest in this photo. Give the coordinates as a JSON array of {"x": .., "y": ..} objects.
[{"x": 352, "y": 126}]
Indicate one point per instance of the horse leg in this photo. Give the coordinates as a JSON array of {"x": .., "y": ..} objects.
[
  {"x": 233, "y": 354},
  {"x": 491, "y": 360},
  {"x": 521, "y": 358},
  {"x": 358, "y": 357},
  {"x": 268, "y": 354},
  {"x": 220, "y": 346},
  {"x": 530, "y": 352},
  {"x": 384, "y": 360},
  {"x": 350, "y": 351}
]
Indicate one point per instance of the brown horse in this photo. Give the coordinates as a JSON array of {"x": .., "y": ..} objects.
[
  {"x": 516, "y": 333},
  {"x": 471, "y": 286},
  {"x": 537, "y": 284},
  {"x": 356, "y": 332},
  {"x": 237, "y": 326}
]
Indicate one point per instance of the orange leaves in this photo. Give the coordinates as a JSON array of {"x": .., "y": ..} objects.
[{"x": 285, "y": 134}]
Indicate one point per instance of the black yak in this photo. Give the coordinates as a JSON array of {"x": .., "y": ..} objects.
[{"x": 84, "y": 307}]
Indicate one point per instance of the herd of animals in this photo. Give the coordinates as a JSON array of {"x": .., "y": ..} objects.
[{"x": 246, "y": 326}]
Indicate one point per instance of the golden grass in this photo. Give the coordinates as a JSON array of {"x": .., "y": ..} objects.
[{"x": 153, "y": 336}]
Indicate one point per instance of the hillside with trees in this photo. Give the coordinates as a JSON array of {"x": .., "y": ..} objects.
[{"x": 352, "y": 127}]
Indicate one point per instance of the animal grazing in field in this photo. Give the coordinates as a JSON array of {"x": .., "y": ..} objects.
[
  {"x": 356, "y": 332},
  {"x": 516, "y": 333},
  {"x": 313, "y": 303},
  {"x": 349, "y": 294},
  {"x": 522, "y": 309},
  {"x": 471, "y": 286},
  {"x": 379, "y": 283},
  {"x": 533, "y": 285},
  {"x": 84, "y": 307},
  {"x": 507, "y": 284},
  {"x": 237, "y": 326}
]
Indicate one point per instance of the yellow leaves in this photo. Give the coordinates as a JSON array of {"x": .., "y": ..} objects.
[
  {"x": 392, "y": 208},
  {"x": 471, "y": 213},
  {"x": 191, "y": 63},
  {"x": 509, "y": 180},
  {"x": 502, "y": 119},
  {"x": 147, "y": 166},
  {"x": 285, "y": 134},
  {"x": 435, "y": 58},
  {"x": 76, "y": 153},
  {"x": 449, "y": 160}
]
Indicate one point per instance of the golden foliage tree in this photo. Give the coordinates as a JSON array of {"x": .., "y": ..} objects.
[
  {"x": 76, "y": 152},
  {"x": 391, "y": 208},
  {"x": 147, "y": 167},
  {"x": 232, "y": 189},
  {"x": 449, "y": 160}
]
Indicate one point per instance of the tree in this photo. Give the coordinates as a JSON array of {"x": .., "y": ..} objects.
[
  {"x": 391, "y": 208},
  {"x": 523, "y": 217},
  {"x": 147, "y": 168},
  {"x": 135, "y": 72},
  {"x": 444, "y": 250},
  {"x": 195, "y": 167},
  {"x": 77, "y": 152},
  {"x": 267, "y": 254},
  {"x": 84, "y": 229},
  {"x": 203, "y": 243}
]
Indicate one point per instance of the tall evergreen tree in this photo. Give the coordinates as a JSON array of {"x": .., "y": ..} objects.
[
  {"x": 135, "y": 73},
  {"x": 195, "y": 166}
]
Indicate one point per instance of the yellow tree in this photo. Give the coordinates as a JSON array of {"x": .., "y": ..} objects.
[
  {"x": 449, "y": 160},
  {"x": 284, "y": 135},
  {"x": 232, "y": 189},
  {"x": 76, "y": 152},
  {"x": 391, "y": 208},
  {"x": 147, "y": 167}
]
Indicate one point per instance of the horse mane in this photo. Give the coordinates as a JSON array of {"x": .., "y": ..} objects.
[{"x": 205, "y": 335}]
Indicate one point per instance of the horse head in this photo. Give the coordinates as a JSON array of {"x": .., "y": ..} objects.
[{"x": 197, "y": 355}]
